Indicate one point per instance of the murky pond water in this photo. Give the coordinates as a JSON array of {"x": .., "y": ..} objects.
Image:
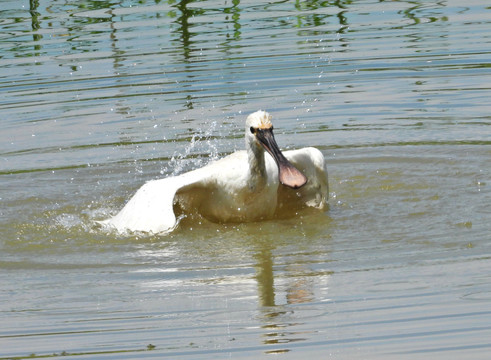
[{"x": 97, "y": 97}]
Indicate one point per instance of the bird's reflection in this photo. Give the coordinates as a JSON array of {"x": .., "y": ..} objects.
[
  {"x": 300, "y": 290},
  {"x": 279, "y": 318},
  {"x": 265, "y": 277}
]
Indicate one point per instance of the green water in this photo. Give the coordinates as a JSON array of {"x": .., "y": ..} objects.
[{"x": 98, "y": 97}]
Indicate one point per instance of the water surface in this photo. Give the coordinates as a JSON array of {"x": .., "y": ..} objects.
[{"x": 98, "y": 97}]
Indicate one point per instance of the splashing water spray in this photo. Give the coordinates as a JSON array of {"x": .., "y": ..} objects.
[{"x": 201, "y": 142}]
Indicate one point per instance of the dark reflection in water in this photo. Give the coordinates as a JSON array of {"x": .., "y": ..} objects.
[
  {"x": 299, "y": 289},
  {"x": 184, "y": 36},
  {"x": 265, "y": 277},
  {"x": 183, "y": 26},
  {"x": 233, "y": 15},
  {"x": 416, "y": 12},
  {"x": 35, "y": 24},
  {"x": 279, "y": 319},
  {"x": 185, "y": 41},
  {"x": 316, "y": 20}
]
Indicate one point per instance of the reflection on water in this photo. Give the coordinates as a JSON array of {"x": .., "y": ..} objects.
[
  {"x": 279, "y": 319},
  {"x": 265, "y": 278},
  {"x": 98, "y": 97}
]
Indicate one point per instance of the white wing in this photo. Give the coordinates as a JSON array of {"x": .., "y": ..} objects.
[{"x": 151, "y": 208}]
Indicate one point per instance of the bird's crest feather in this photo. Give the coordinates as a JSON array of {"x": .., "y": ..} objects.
[{"x": 260, "y": 120}]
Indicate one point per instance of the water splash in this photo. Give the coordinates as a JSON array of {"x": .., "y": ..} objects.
[
  {"x": 202, "y": 142},
  {"x": 68, "y": 221}
]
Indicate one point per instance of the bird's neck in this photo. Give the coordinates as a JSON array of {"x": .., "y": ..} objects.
[{"x": 257, "y": 168}]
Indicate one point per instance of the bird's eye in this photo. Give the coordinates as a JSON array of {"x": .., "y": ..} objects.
[{"x": 253, "y": 131}]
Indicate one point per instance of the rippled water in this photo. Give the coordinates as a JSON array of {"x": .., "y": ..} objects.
[{"x": 97, "y": 97}]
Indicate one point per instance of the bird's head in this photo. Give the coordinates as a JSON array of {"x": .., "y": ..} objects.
[{"x": 259, "y": 133}]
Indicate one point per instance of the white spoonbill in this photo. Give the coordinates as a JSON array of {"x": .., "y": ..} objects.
[{"x": 244, "y": 186}]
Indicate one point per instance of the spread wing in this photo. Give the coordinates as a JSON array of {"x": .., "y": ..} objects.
[{"x": 151, "y": 209}]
